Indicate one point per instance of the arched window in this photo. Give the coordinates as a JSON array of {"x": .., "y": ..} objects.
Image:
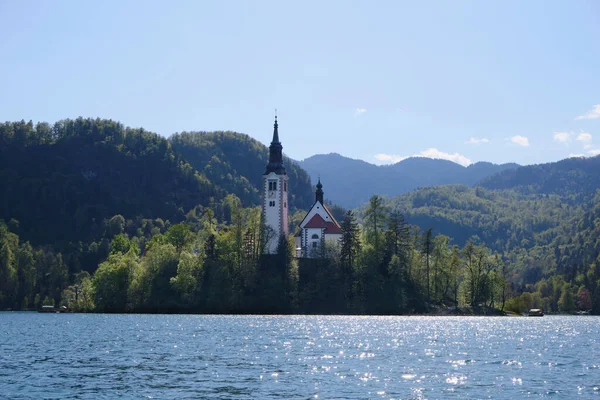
[{"x": 315, "y": 236}]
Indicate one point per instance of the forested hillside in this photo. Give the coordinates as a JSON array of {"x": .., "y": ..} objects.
[
  {"x": 502, "y": 219},
  {"x": 574, "y": 179},
  {"x": 78, "y": 192},
  {"x": 351, "y": 183},
  {"x": 235, "y": 162},
  {"x": 61, "y": 181},
  {"x": 550, "y": 241},
  {"x": 100, "y": 217}
]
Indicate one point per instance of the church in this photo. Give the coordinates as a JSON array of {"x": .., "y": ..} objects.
[{"x": 317, "y": 229}]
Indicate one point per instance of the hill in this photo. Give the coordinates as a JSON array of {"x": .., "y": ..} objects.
[
  {"x": 235, "y": 162},
  {"x": 61, "y": 181},
  {"x": 350, "y": 182},
  {"x": 542, "y": 218},
  {"x": 502, "y": 219},
  {"x": 573, "y": 178}
]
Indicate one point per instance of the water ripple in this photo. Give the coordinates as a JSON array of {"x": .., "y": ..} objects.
[{"x": 71, "y": 356}]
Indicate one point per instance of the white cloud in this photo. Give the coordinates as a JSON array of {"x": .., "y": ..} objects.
[
  {"x": 576, "y": 155},
  {"x": 359, "y": 111},
  {"x": 474, "y": 140},
  {"x": 562, "y": 137},
  {"x": 594, "y": 152},
  {"x": 429, "y": 153},
  {"x": 588, "y": 146},
  {"x": 457, "y": 158},
  {"x": 389, "y": 158},
  {"x": 520, "y": 140},
  {"x": 585, "y": 137},
  {"x": 594, "y": 113}
]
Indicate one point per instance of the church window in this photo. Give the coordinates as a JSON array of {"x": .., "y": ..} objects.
[
  {"x": 284, "y": 204},
  {"x": 315, "y": 236},
  {"x": 285, "y": 186},
  {"x": 314, "y": 245},
  {"x": 272, "y": 204}
]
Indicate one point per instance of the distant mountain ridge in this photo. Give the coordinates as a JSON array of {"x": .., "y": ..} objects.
[
  {"x": 544, "y": 218},
  {"x": 573, "y": 177},
  {"x": 350, "y": 183}
]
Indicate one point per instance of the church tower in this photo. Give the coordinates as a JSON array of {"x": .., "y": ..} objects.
[{"x": 275, "y": 195}]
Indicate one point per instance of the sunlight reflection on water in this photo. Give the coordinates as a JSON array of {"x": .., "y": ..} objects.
[{"x": 250, "y": 357}]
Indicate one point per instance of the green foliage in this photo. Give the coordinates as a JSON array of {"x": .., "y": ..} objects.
[
  {"x": 62, "y": 186},
  {"x": 179, "y": 235},
  {"x": 375, "y": 219},
  {"x": 106, "y": 218},
  {"x": 576, "y": 178},
  {"x": 234, "y": 162},
  {"x": 188, "y": 279},
  {"x": 350, "y": 245},
  {"x": 111, "y": 282},
  {"x": 79, "y": 297}
]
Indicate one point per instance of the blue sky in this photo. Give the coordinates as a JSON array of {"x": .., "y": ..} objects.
[{"x": 501, "y": 81}]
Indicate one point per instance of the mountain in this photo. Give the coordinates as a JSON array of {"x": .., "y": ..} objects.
[
  {"x": 503, "y": 219},
  {"x": 573, "y": 178},
  {"x": 235, "y": 162},
  {"x": 349, "y": 182},
  {"x": 61, "y": 182},
  {"x": 542, "y": 218}
]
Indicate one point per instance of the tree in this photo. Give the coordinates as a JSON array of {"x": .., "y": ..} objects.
[
  {"x": 441, "y": 268},
  {"x": 26, "y": 275},
  {"x": 187, "y": 280},
  {"x": 566, "y": 301},
  {"x": 454, "y": 273},
  {"x": 79, "y": 296},
  {"x": 375, "y": 218},
  {"x": 398, "y": 238},
  {"x": 8, "y": 269},
  {"x": 504, "y": 281},
  {"x": 111, "y": 282},
  {"x": 584, "y": 299},
  {"x": 349, "y": 242},
  {"x": 121, "y": 245},
  {"x": 116, "y": 225},
  {"x": 179, "y": 235},
  {"x": 426, "y": 250}
]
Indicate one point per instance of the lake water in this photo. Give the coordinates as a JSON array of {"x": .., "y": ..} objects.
[{"x": 80, "y": 356}]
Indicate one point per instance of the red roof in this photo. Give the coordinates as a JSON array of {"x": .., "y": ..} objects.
[{"x": 331, "y": 227}]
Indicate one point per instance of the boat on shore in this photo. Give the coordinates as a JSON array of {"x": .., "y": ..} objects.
[
  {"x": 52, "y": 309},
  {"x": 535, "y": 312}
]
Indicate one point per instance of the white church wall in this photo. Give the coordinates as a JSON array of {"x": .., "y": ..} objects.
[{"x": 275, "y": 208}]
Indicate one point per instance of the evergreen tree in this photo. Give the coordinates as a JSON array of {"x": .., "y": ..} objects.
[
  {"x": 350, "y": 246},
  {"x": 426, "y": 250},
  {"x": 375, "y": 219}
]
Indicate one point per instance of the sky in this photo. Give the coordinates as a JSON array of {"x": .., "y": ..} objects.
[{"x": 499, "y": 81}]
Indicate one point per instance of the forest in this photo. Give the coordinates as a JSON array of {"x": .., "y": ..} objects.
[{"x": 100, "y": 217}]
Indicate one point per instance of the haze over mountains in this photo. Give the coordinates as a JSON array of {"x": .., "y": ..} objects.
[
  {"x": 71, "y": 185},
  {"x": 350, "y": 183}
]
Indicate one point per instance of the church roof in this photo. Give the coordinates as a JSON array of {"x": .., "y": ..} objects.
[
  {"x": 331, "y": 216},
  {"x": 275, "y": 153},
  {"x": 331, "y": 227}
]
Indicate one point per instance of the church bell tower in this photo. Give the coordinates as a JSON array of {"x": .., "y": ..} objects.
[{"x": 275, "y": 195}]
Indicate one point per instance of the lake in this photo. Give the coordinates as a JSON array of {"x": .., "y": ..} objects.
[{"x": 91, "y": 356}]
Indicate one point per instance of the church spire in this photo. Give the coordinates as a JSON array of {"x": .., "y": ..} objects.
[
  {"x": 275, "y": 153},
  {"x": 319, "y": 192},
  {"x": 275, "y": 130}
]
